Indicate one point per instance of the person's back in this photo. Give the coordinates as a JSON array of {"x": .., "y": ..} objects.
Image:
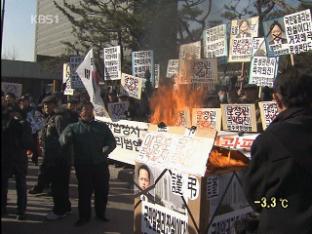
[{"x": 281, "y": 162}]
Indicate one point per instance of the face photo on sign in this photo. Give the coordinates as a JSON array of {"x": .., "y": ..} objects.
[
  {"x": 144, "y": 177},
  {"x": 277, "y": 33},
  {"x": 244, "y": 29}
]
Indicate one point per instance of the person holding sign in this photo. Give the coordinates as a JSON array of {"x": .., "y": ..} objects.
[{"x": 277, "y": 182}]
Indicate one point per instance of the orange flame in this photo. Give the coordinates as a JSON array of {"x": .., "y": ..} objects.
[{"x": 167, "y": 103}]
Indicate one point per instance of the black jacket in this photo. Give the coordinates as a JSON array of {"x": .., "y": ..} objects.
[
  {"x": 91, "y": 141},
  {"x": 281, "y": 168}
]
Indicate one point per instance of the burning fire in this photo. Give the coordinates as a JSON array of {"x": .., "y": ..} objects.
[{"x": 167, "y": 103}]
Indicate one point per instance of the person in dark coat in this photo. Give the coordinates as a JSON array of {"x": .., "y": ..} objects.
[
  {"x": 16, "y": 138},
  {"x": 278, "y": 181},
  {"x": 92, "y": 141}
]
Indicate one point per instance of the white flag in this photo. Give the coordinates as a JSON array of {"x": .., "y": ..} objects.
[{"x": 87, "y": 73}]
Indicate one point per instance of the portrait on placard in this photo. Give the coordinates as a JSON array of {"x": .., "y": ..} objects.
[
  {"x": 275, "y": 37},
  {"x": 299, "y": 31},
  {"x": 242, "y": 33},
  {"x": 268, "y": 112},
  {"x": 239, "y": 117}
]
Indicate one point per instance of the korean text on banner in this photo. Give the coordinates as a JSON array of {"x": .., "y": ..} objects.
[
  {"x": 157, "y": 70},
  {"x": 239, "y": 117},
  {"x": 75, "y": 81},
  {"x": 206, "y": 118},
  {"x": 142, "y": 64},
  {"x": 183, "y": 153},
  {"x": 129, "y": 136},
  {"x": 118, "y": 110},
  {"x": 263, "y": 71},
  {"x": 268, "y": 112},
  {"x": 275, "y": 38},
  {"x": 205, "y": 71},
  {"x": 112, "y": 63},
  {"x": 172, "y": 68},
  {"x": 242, "y": 33},
  {"x": 132, "y": 86},
  {"x": 299, "y": 31},
  {"x": 215, "y": 41}
]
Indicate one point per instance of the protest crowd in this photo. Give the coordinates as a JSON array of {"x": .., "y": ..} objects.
[{"x": 81, "y": 130}]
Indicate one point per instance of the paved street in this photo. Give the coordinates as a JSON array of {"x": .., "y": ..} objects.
[{"x": 120, "y": 209}]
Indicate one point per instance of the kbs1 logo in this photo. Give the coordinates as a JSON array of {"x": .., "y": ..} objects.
[{"x": 44, "y": 19}]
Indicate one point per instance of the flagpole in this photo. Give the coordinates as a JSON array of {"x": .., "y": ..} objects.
[{"x": 2, "y": 20}]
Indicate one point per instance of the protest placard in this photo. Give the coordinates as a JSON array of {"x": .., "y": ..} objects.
[
  {"x": 172, "y": 68},
  {"x": 239, "y": 117},
  {"x": 190, "y": 51},
  {"x": 75, "y": 81},
  {"x": 14, "y": 88},
  {"x": 129, "y": 136},
  {"x": 112, "y": 63},
  {"x": 143, "y": 64},
  {"x": 299, "y": 31},
  {"x": 258, "y": 46},
  {"x": 118, "y": 110},
  {"x": 131, "y": 85},
  {"x": 215, "y": 41},
  {"x": 263, "y": 71},
  {"x": 242, "y": 32},
  {"x": 275, "y": 38},
  {"x": 206, "y": 118},
  {"x": 268, "y": 112},
  {"x": 157, "y": 70},
  {"x": 183, "y": 117},
  {"x": 205, "y": 71}
]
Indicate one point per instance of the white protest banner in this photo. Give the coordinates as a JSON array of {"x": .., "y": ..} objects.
[
  {"x": 263, "y": 71},
  {"x": 75, "y": 81},
  {"x": 157, "y": 70},
  {"x": 239, "y": 117},
  {"x": 258, "y": 46},
  {"x": 172, "y": 68},
  {"x": 268, "y": 112},
  {"x": 129, "y": 136},
  {"x": 215, "y": 41},
  {"x": 299, "y": 31},
  {"x": 14, "y": 88},
  {"x": 112, "y": 63},
  {"x": 67, "y": 80},
  {"x": 132, "y": 85},
  {"x": 157, "y": 219},
  {"x": 205, "y": 71},
  {"x": 184, "y": 117},
  {"x": 275, "y": 38},
  {"x": 142, "y": 64},
  {"x": 190, "y": 51},
  {"x": 186, "y": 154},
  {"x": 88, "y": 75},
  {"x": 232, "y": 140},
  {"x": 242, "y": 32},
  {"x": 118, "y": 110},
  {"x": 206, "y": 118}
]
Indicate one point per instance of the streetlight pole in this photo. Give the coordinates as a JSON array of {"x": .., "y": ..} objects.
[{"x": 2, "y": 20}]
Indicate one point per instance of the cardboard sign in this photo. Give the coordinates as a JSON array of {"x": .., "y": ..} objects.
[
  {"x": 75, "y": 81},
  {"x": 242, "y": 32},
  {"x": 215, "y": 41},
  {"x": 142, "y": 63},
  {"x": 184, "y": 118},
  {"x": 157, "y": 70},
  {"x": 172, "y": 68},
  {"x": 129, "y": 136},
  {"x": 275, "y": 37},
  {"x": 14, "y": 88},
  {"x": 118, "y": 110},
  {"x": 132, "y": 86},
  {"x": 263, "y": 71},
  {"x": 112, "y": 63},
  {"x": 205, "y": 71},
  {"x": 268, "y": 112},
  {"x": 299, "y": 31},
  {"x": 258, "y": 46},
  {"x": 183, "y": 153},
  {"x": 190, "y": 51},
  {"x": 206, "y": 118},
  {"x": 239, "y": 117}
]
